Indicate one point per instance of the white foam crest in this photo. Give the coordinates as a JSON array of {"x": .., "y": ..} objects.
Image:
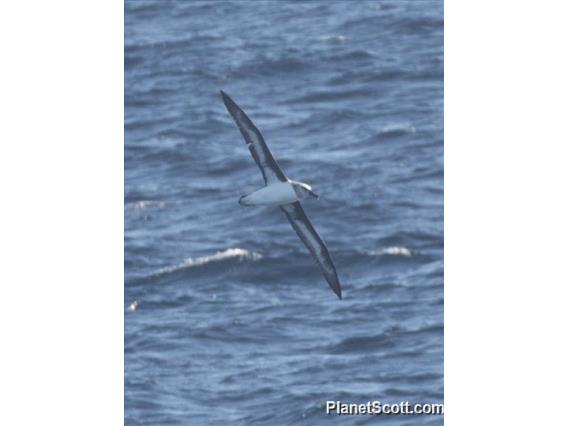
[
  {"x": 133, "y": 306},
  {"x": 392, "y": 251},
  {"x": 237, "y": 252},
  {"x": 146, "y": 204},
  {"x": 333, "y": 38},
  {"x": 398, "y": 128}
]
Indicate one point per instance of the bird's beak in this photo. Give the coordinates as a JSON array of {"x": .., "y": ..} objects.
[{"x": 313, "y": 194}]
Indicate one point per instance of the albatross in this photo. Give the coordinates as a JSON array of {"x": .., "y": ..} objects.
[{"x": 280, "y": 191}]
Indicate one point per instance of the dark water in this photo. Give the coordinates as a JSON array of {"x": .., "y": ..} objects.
[{"x": 227, "y": 318}]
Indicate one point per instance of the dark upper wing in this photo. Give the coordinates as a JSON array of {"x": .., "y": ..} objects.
[
  {"x": 271, "y": 172},
  {"x": 313, "y": 242}
]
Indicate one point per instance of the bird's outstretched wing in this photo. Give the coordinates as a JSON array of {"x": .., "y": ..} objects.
[
  {"x": 271, "y": 172},
  {"x": 313, "y": 242}
]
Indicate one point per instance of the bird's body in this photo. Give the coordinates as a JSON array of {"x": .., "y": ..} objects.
[
  {"x": 283, "y": 192},
  {"x": 271, "y": 195},
  {"x": 278, "y": 194}
]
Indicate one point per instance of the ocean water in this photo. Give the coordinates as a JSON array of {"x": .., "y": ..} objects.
[{"x": 227, "y": 318}]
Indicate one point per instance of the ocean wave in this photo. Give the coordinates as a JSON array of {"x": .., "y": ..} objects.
[
  {"x": 392, "y": 251},
  {"x": 133, "y": 306},
  {"x": 145, "y": 204},
  {"x": 336, "y": 39},
  {"x": 352, "y": 55},
  {"x": 360, "y": 344},
  {"x": 397, "y": 129},
  {"x": 326, "y": 96},
  {"x": 232, "y": 253},
  {"x": 170, "y": 43},
  {"x": 265, "y": 65}
]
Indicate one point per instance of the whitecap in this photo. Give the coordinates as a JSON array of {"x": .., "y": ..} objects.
[
  {"x": 133, "y": 306},
  {"x": 145, "y": 204},
  {"x": 392, "y": 251},
  {"x": 239, "y": 253},
  {"x": 396, "y": 129},
  {"x": 333, "y": 39}
]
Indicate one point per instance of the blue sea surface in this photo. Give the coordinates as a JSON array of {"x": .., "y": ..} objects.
[{"x": 227, "y": 318}]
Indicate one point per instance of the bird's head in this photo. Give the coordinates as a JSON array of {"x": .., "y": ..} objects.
[{"x": 304, "y": 191}]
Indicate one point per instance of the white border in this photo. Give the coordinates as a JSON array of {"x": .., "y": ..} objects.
[
  {"x": 505, "y": 212},
  {"x": 61, "y": 221}
]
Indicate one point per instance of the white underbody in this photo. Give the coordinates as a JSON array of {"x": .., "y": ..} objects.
[{"x": 272, "y": 195}]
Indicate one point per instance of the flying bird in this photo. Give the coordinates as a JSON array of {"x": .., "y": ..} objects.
[{"x": 283, "y": 192}]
